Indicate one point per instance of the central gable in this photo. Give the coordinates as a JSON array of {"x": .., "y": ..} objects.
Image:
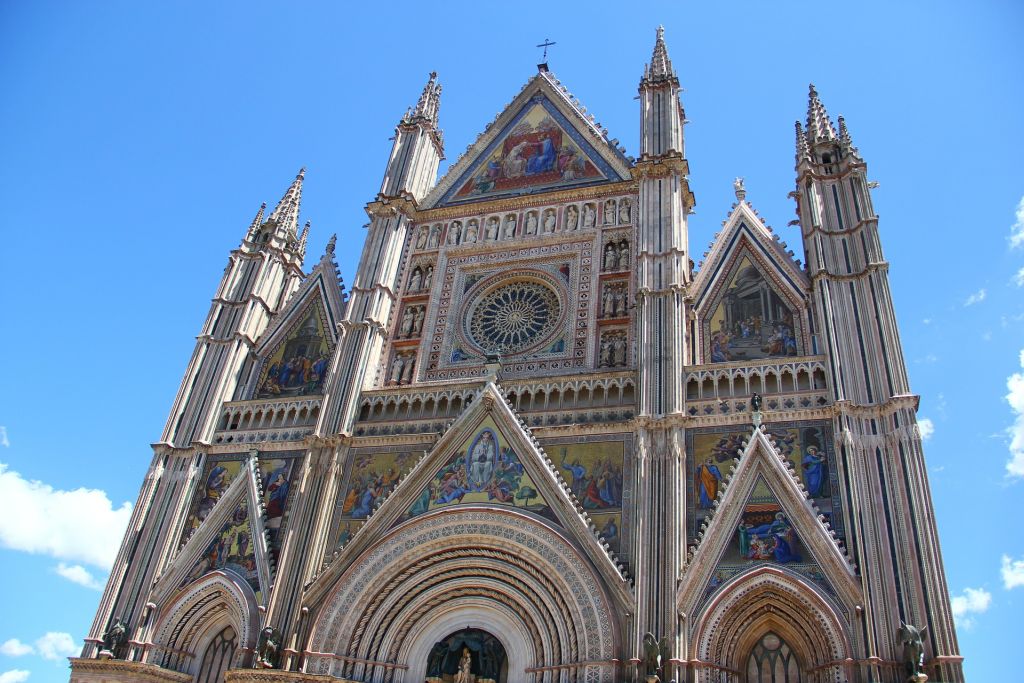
[{"x": 542, "y": 141}]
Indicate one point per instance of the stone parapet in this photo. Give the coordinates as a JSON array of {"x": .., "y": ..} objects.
[
  {"x": 275, "y": 676},
  {"x": 120, "y": 671}
]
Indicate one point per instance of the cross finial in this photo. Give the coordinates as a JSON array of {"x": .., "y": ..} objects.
[{"x": 546, "y": 44}]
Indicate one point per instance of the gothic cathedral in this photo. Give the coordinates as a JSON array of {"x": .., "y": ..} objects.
[{"x": 534, "y": 442}]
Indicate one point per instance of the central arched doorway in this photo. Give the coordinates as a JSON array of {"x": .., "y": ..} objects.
[{"x": 484, "y": 654}]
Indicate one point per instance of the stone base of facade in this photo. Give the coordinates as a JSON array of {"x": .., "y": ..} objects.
[{"x": 120, "y": 671}]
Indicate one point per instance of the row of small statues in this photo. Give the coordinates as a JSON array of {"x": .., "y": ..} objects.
[
  {"x": 615, "y": 213},
  {"x": 614, "y": 300},
  {"x": 616, "y": 256},
  {"x": 412, "y": 322},
  {"x": 613, "y": 350},
  {"x": 421, "y": 278}
]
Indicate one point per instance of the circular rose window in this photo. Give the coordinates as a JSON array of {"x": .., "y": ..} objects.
[{"x": 514, "y": 317}]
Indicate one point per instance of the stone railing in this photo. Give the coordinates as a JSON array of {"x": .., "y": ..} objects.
[
  {"x": 724, "y": 388},
  {"x": 265, "y": 420}
]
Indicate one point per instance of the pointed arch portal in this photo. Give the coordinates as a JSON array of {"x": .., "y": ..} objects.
[{"x": 471, "y": 570}]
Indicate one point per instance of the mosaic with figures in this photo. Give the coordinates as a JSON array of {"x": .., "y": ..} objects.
[
  {"x": 232, "y": 546},
  {"x": 765, "y": 534},
  {"x": 371, "y": 474},
  {"x": 751, "y": 320},
  {"x": 538, "y": 150},
  {"x": 298, "y": 365}
]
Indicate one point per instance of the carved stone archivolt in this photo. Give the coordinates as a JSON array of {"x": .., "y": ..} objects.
[{"x": 490, "y": 568}]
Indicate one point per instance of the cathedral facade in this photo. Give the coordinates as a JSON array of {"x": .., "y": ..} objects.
[{"x": 534, "y": 442}]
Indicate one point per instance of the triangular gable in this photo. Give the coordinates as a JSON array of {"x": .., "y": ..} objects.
[
  {"x": 295, "y": 350},
  {"x": 232, "y": 536},
  {"x": 761, "y": 483},
  {"x": 491, "y": 440},
  {"x": 750, "y": 295},
  {"x": 543, "y": 140}
]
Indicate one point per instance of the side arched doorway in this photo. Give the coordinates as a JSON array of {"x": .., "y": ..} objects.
[
  {"x": 469, "y": 650},
  {"x": 769, "y": 626}
]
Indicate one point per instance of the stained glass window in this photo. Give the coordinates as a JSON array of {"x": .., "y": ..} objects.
[{"x": 218, "y": 656}]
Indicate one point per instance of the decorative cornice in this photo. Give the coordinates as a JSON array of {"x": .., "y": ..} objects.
[
  {"x": 104, "y": 670},
  {"x": 530, "y": 201}
]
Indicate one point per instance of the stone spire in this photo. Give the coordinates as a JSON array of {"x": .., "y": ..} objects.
[
  {"x": 429, "y": 103},
  {"x": 303, "y": 238},
  {"x": 803, "y": 151},
  {"x": 660, "y": 67},
  {"x": 286, "y": 214},
  {"x": 256, "y": 222},
  {"x": 845, "y": 141},
  {"x": 819, "y": 127}
]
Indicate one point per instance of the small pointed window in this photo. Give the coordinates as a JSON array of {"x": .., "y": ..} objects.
[{"x": 218, "y": 656}]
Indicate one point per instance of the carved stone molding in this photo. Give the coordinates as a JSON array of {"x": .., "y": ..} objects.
[{"x": 118, "y": 671}]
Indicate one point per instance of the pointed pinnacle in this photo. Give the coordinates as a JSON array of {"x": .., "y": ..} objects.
[
  {"x": 803, "y": 151},
  {"x": 819, "y": 127},
  {"x": 258, "y": 221},
  {"x": 429, "y": 103},
  {"x": 286, "y": 213},
  {"x": 329, "y": 251},
  {"x": 661, "y": 65}
]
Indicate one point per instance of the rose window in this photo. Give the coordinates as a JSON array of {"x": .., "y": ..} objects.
[{"x": 513, "y": 317}]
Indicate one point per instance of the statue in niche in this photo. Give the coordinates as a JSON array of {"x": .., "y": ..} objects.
[
  {"x": 410, "y": 363},
  {"x": 619, "y": 350},
  {"x": 114, "y": 640},
  {"x": 912, "y": 639},
  {"x": 417, "y": 321},
  {"x": 455, "y": 233},
  {"x": 397, "y": 366},
  {"x": 549, "y": 221},
  {"x": 611, "y": 257},
  {"x": 623, "y": 255},
  {"x": 428, "y": 278},
  {"x": 606, "y": 297},
  {"x": 510, "y": 226},
  {"x": 471, "y": 231},
  {"x": 605, "y": 355},
  {"x": 624, "y": 211},
  {"x": 531, "y": 223},
  {"x": 609, "y": 212},
  {"x": 463, "y": 675},
  {"x": 407, "y": 322},
  {"x": 492, "y": 228},
  {"x": 572, "y": 217},
  {"x": 435, "y": 237},
  {"x": 421, "y": 238},
  {"x": 416, "y": 279},
  {"x": 589, "y": 215}
]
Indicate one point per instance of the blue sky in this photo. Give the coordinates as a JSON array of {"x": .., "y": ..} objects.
[{"x": 138, "y": 140}]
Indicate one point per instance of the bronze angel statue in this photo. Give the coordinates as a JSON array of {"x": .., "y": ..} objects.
[{"x": 656, "y": 655}]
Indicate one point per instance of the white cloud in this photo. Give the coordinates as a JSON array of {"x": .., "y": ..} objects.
[
  {"x": 927, "y": 321},
  {"x": 1013, "y": 572},
  {"x": 6, "y": 443},
  {"x": 1015, "y": 397},
  {"x": 976, "y": 298},
  {"x": 76, "y": 573},
  {"x": 1017, "y": 231},
  {"x": 58, "y": 645},
  {"x": 15, "y": 676},
  {"x": 972, "y": 601},
  {"x": 80, "y": 525},
  {"x": 1018, "y": 279},
  {"x": 927, "y": 428},
  {"x": 16, "y": 648}
]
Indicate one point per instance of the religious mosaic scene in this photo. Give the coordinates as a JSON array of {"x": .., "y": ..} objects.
[{"x": 536, "y": 441}]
